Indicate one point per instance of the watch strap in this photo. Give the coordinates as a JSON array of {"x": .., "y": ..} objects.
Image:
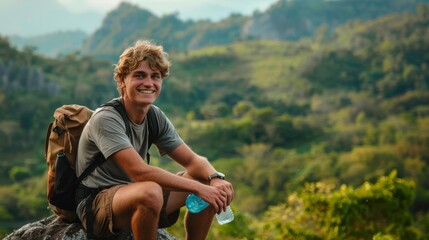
[{"x": 216, "y": 175}]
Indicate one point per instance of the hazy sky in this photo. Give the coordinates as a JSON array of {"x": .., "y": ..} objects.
[{"x": 36, "y": 17}]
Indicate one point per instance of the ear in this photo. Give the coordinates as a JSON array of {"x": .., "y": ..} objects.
[{"x": 122, "y": 86}]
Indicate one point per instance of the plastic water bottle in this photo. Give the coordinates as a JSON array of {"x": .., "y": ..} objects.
[
  {"x": 195, "y": 205},
  {"x": 226, "y": 216}
]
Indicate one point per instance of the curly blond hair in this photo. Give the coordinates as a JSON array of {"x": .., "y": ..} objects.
[{"x": 131, "y": 58}]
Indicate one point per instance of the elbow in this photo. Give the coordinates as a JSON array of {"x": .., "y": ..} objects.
[{"x": 141, "y": 174}]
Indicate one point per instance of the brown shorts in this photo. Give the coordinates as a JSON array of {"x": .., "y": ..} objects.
[{"x": 103, "y": 217}]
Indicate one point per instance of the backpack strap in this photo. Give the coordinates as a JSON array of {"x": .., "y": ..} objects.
[
  {"x": 119, "y": 106},
  {"x": 153, "y": 129}
]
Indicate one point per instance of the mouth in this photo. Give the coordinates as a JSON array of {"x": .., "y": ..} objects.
[{"x": 146, "y": 91}]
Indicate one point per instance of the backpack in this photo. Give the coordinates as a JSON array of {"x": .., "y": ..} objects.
[{"x": 61, "y": 144}]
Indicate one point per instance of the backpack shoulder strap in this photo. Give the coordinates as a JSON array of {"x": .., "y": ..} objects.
[
  {"x": 119, "y": 106},
  {"x": 153, "y": 129},
  {"x": 99, "y": 159},
  {"x": 153, "y": 125}
]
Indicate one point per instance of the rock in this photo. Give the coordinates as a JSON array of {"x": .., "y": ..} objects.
[{"x": 53, "y": 228}]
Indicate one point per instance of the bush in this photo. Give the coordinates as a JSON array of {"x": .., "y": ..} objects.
[
  {"x": 17, "y": 174},
  {"x": 373, "y": 210}
]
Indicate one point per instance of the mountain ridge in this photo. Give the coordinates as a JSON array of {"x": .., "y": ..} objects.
[{"x": 283, "y": 20}]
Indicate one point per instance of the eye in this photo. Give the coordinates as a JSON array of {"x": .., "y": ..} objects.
[
  {"x": 139, "y": 75},
  {"x": 156, "y": 76}
]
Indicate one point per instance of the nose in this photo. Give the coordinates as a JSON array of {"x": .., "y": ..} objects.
[{"x": 147, "y": 81}]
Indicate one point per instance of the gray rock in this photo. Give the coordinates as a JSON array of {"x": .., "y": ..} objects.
[{"x": 53, "y": 228}]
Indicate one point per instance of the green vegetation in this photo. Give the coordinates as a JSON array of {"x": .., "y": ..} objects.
[
  {"x": 318, "y": 212},
  {"x": 323, "y": 138}
]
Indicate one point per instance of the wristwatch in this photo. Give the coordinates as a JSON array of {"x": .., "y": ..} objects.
[{"x": 216, "y": 175}]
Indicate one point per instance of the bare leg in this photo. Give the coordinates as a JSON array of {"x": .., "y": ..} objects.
[
  {"x": 198, "y": 225},
  {"x": 138, "y": 205}
]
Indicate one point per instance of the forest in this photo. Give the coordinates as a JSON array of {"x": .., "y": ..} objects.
[{"x": 324, "y": 137}]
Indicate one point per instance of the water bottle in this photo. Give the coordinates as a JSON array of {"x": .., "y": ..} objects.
[
  {"x": 225, "y": 216},
  {"x": 195, "y": 205}
]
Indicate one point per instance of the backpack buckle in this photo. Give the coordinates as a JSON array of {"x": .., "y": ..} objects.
[{"x": 58, "y": 130}]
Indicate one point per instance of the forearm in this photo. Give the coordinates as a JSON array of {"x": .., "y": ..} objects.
[
  {"x": 168, "y": 180},
  {"x": 138, "y": 171},
  {"x": 200, "y": 168},
  {"x": 197, "y": 166}
]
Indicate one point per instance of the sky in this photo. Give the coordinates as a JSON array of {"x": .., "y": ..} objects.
[{"x": 37, "y": 17}]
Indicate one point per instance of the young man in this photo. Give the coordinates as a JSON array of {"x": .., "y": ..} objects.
[{"x": 137, "y": 195}]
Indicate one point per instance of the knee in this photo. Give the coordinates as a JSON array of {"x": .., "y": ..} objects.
[{"x": 150, "y": 196}]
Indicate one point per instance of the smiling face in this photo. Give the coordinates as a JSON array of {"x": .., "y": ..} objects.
[
  {"x": 143, "y": 57},
  {"x": 143, "y": 85}
]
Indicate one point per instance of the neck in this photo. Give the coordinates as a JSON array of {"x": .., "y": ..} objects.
[{"x": 136, "y": 113}]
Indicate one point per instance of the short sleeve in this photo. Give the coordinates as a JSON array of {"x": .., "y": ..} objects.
[
  {"x": 168, "y": 138},
  {"x": 109, "y": 132}
]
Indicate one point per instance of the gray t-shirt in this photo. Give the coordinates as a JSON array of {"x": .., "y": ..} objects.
[{"x": 106, "y": 132}]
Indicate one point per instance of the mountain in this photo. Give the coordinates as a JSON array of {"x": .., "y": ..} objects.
[
  {"x": 292, "y": 20},
  {"x": 285, "y": 20},
  {"x": 53, "y": 44}
]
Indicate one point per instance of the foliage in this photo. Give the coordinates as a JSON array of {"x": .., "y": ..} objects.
[
  {"x": 23, "y": 202},
  {"x": 320, "y": 212},
  {"x": 19, "y": 173}
]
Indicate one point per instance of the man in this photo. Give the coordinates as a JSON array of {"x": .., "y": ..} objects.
[{"x": 137, "y": 195}]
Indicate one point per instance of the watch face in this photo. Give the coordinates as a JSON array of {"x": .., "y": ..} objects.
[{"x": 221, "y": 175}]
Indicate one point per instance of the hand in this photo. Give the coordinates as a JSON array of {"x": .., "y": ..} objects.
[
  {"x": 217, "y": 198},
  {"x": 225, "y": 189}
]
